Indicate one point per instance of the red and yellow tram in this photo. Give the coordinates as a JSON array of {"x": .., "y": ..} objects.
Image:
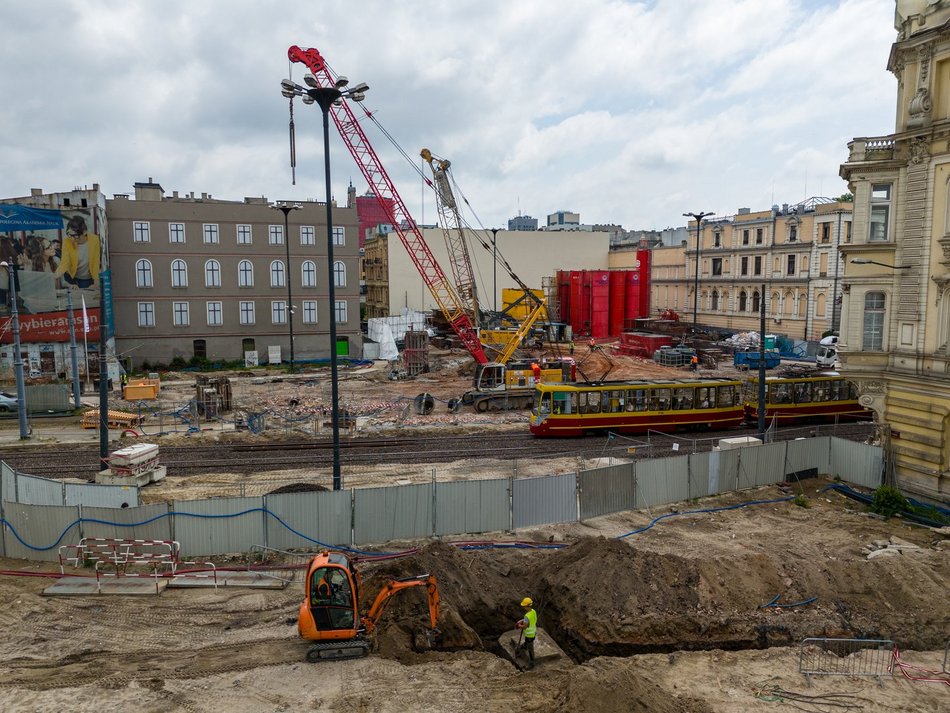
[
  {"x": 636, "y": 406},
  {"x": 820, "y": 397}
]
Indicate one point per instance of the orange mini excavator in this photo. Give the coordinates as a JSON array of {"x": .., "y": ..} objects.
[{"x": 329, "y": 614}]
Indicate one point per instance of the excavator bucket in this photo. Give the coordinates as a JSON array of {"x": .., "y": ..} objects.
[{"x": 425, "y": 640}]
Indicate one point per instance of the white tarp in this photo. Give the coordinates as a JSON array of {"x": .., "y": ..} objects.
[{"x": 380, "y": 332}]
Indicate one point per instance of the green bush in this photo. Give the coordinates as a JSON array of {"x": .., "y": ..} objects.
[{"x": 889, "y": 501}]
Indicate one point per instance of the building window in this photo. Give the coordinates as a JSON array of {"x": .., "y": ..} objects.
[
  {"x": 717, "y": 239},
  {"x": 820, "y": 302},
  {"x": 339, "y": 236},
  {"x": 247, "y": 312},
  {"x": 215, "y": 314},
  {"x": 180, "y": 317},
  {"x": 755, "y": 301},
  {"x": 742, "y": 301},
  {"x": 847, "y": 232},
  {"x": 146, "y": 314},
  {"x": 277, "y": 274},
  {"x": 309, "y": 311},
  {"x": 826, "y": 232},
  {"x": 200, "y": 348},
  {"x": 793, "y": 233},
  {"x": 212, "y": 273},
  {"x": 211, "y": 233},
  {"x": 176, "y": 232},
  {"x": 278, "y": 312},
  {"x": 745, "y": 237},
  {"x": 308, "y": 235},
  {"x": 880, "y": 211},
  {"x": 244, "y": 235},
  {"x": 179, "y": 273},
  {"x": 140, "y": 232},
  {"x": 275, "y": 234},
  {"x": 715, "y": 300},
  {"x": 757, "y": 265},
  {"x": 339, "y": 274},
  {"x": 744, "y": 266},
  {"x": 340, "y": 312},
  {"x": 308, "y": 274},
  {"x": 758, "y": 236},
  {"x": 717, "y": 266},
  {"x": 873, "y": 322},
  {"x": 245, "y": 273},
  {"x": 790, "y": 267},
  {"x": 143, "y": 273}
]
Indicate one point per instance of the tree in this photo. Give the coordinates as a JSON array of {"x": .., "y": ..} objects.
[{"x": 845, "y": 198}]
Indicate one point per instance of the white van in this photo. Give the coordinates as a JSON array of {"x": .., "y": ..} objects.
[{"x": 827, "y": 354}]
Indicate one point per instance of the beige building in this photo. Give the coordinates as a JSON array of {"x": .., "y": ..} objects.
[
  {"x": 791, "y": 250},
  {"x": 895, "y": 339},
  {"x": 199, "y": 277},
  {"x": 393, "y": 282}
]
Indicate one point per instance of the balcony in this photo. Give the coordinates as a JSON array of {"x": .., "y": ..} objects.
[{"x": 878, "y": 148}]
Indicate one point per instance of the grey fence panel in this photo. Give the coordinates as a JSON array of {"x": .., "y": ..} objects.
[
  {"x": 31, "y": 490},
  {"x": 320, "y": 516},
  {"x": 48, "y": 397},
  {"x": 7, "y": 490},
  {"x": 857, "y": 463},
  {"x": 723, "y": 471},
  {"x": 538, "y": 501},
  {"x": 699, "y": 470},
  {"x": 606, "y": 490},
  {"x": 661, "y": 481},
  {"x": 761, "y": 465},
  {"x": 400, "y": 512},
  {"x": 104, "y": 496},
  {"x": 148, "y": 522},
  {"x": 472, "y": 506},
  {"x": 42, "y": 529},
  {"x": 807, "y": 453},
  {"x": 211, "y": 527}
]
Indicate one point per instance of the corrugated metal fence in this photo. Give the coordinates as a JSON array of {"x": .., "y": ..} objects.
[{"x": 38, "y": 517}]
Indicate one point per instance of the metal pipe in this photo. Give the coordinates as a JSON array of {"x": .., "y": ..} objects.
[
  {"x": 17, "y": 355},
  {"x": 73, "y": 358}
]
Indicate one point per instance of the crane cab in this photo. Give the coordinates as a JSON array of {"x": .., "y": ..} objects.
[{"x": 331, "y": 595}]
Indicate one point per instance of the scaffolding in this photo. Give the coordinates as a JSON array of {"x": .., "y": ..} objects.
[{"x": 416, "y": 352}]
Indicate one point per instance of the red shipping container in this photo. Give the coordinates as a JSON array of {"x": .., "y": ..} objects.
[
  {"x": 576, "y": 318},
  {"x": 617, "y": 302},
  {"x": 632, "y": 299},
  {"x": 564, "y": 295},
  {"x": 643, "y": 267},
  {"x": 600, "y": 303}
]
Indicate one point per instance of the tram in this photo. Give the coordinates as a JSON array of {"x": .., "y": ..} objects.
[
  {"x": 818, "y": 397},
  {"x": 636, "y": 406}
]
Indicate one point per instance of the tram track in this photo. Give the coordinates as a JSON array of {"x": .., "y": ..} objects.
[{"x": 80, "y": 461}]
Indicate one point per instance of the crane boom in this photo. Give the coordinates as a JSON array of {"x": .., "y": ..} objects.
[{"x": 382, "y": 186}]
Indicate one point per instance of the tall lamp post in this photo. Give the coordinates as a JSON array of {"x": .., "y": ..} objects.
[
  {"x": 17, "y": 354},
  {"x": 698, "y": 217},
  {"x": 494, "y": 279},
  {"x": 285, "y": 208},
  {"x": 325, "y": 97}
]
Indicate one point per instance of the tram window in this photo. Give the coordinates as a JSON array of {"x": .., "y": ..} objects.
[
  {"x": 546, "y": 404},
  {"x": 802, "y": 392},
  {"x": 836, "y": 390},
  {"x": 781, "y": 394},
  {"x": 706, "y": 397},
  {"x": 639, "y": 400},
  {"x": 682, "y": 399},
  {"x": 593, "y": 402},
  {"x": 659, "y": 399},
  {"x": 726, "y": 396},
  {"x": 820, "y": 391},
  {"x": 613, "y": 401},
  {"x": 562, "y": 402},
  {"x": 852, "y": 392}
]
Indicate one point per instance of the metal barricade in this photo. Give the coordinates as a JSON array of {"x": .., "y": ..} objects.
[{"x": 846, "y": 657}]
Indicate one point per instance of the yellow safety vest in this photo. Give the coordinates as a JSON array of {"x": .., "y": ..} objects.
[{"x": 531, "y": 630}]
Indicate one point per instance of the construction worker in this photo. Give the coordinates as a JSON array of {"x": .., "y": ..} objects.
[
  {"x": 572, "y": 346},
  {"x": 529, "y": 626},
  {"x": 536, "y": 369},
  {"x": 694, "y": 362}
]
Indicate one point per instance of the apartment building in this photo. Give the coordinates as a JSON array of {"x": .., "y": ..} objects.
[
  {"x": 895, "y": 338},
  {"x": 199, "y": 277}
]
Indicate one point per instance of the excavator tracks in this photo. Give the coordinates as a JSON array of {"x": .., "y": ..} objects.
[{"x": 336, "y": 650}]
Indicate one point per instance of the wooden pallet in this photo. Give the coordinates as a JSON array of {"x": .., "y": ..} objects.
[{"x": 116, "y": 419}]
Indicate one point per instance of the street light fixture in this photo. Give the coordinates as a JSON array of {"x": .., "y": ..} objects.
[
  {"x": 17, "y": 354},
  {"x": 326, "y": 97},
  {"x": 865, "y": 261},
  {"x": 698, "y": 217},
  {"x": 285, "y": 208}
]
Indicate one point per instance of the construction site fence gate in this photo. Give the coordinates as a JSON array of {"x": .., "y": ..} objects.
[{"x": 33, "y": 529}]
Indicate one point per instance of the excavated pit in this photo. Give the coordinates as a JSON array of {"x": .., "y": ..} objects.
[{"x": 606, "y": 597}]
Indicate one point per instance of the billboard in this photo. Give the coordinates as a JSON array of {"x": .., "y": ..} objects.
[{"x": 58, "y": 258}]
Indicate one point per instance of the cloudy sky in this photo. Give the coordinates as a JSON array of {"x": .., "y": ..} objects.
[{"x": 629, "y": 112}]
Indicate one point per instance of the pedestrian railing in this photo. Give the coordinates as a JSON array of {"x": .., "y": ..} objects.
[{"x": 846, "y": 657}]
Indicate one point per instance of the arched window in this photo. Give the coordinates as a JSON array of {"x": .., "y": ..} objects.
[
  {"x": 143, "y": 273},
  {"x": 212, "y": 273},
  {"x": 179, "y": 273},
  {"x": 755, "y": 301},
  {"x": 802, "y": 304},
  {"x": 776, "y": 303},
  {"x": 874, "y": 304},
  {"x": 742, "y": 301},
  {"x": 339, "y": 274},
  {"x": 308, "y": 274},
  {"x": 789, "y": 305},
  {"x": 715, "y": 300},
  {"x": 820, "y": 304},
  {"x": 245, "y": 273},
  {"x": 277, "y": 274}
]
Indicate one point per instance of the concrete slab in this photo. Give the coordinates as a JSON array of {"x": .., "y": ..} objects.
[
  {"x": 545, "y": 649},
  {"x": 253, "y": 580},
  {"x": 126, "y": 586}
]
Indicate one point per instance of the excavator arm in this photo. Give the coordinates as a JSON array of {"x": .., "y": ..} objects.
[{"x": 371, "y": 619}]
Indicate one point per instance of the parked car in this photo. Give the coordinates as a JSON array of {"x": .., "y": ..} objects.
[{"x": 8, "y": 401}]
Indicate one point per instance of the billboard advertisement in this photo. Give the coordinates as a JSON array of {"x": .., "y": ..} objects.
[{"x": 55, "y": 257}]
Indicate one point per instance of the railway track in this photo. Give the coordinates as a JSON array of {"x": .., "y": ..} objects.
[{"x": 80, "y": 461}]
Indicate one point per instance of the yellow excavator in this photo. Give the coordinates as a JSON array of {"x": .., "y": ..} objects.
[{"x": 329, "y": 615}]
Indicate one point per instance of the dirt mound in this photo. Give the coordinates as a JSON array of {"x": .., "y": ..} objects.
[{"x": 297, "y": 488}]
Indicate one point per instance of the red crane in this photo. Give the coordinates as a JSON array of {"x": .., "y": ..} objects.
[{"x": 382, "y": 186}]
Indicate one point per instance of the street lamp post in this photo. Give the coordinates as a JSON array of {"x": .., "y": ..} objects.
[
  {"x": 17, "y": 354},
  {"x": 865, "y": 261},
  {"x": 698, "y": 217},
  {"x": 494, "y": 279},
  {"x": 325, "y": 97},
  {"x": 285, "y": 208}
]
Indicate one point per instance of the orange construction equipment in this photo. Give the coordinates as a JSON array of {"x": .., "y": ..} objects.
[{"x": 329, "y": 614}]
